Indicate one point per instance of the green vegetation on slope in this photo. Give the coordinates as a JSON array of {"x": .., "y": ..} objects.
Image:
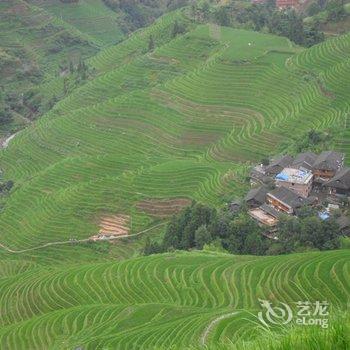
[
  {"x": 160, "y": 301},
  {"x": 35, "y": 51},
  {"x": 91, "y": 17},
  {"x": 180, "y": 122},
  {"x": 158, "y": 126},
  {"x": 199, "y": 225}
]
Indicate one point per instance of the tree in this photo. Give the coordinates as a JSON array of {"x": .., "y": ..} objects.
[
  {"x": 171, "y": 237},
  {"x": 151, "y": 44},
  {"x": 151, "y": 247},
  {"x": 6, "y": 186},
  {"x": 313, "y": 9},
  {"x": 82, "y": 69},
  {"x": 240, "y": 228},
  {"x": 255, "y": 244},
  {"x": 202, "y": 237},
  {"x": 5, "y": 115},
  {"x": 205, "y": 8},
  {"x": 221, "y": 16},
  {"x": 335, "y": 10},
  {"x": 177, "y": 29},
  {"x": 71, "y": 67},
  {"x": 265, "y": 161}
]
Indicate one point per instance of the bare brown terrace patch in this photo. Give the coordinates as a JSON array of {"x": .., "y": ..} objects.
[
  {"x": 162, "y": 208},
  {"x": 18, "y": 9},
  {"x": 113, "y": 226},
  {"x": 324, "y": 90},
  {"x": 125, "y": 127},
  {"x": 198, "y": 138},
  {"x": 165, "y": 59}
]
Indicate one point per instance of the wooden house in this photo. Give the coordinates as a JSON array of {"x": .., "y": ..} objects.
[
  {"x": 305, "y": 160},
  {"x": 277, "y": 165},
  {"x": 285, "y": 200},
  {"x": 340, "y": 183},
  {"x": 327, "y": 164},
  {"x": 256, "y": 196}
]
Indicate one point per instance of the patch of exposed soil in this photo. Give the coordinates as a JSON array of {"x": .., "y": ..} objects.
[
  {"x": 18, "y": 9},
  {"x": 113, "y": 226},
  {"x": 162, "y": 208}
]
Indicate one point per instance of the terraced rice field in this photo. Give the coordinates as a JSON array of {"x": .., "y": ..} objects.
[
  {"x": 159, "y": 301},
  {"x": 182, "y": 122},
  {"x": 91, "y": 17}
]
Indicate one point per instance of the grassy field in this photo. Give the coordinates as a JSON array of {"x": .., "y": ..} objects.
[{"x": 160, "y": 301}]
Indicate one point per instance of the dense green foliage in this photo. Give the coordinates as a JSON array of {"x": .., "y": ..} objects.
[
  {"x": 35, "y": 48},
  {"x": 139, "y": 13},
  {"x": 237, "y": 233},
  {"x": 263, "y": 17}
]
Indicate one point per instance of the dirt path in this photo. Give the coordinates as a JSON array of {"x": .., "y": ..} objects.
[
  {"x": 212, "y": 324},
  {"x": 215, "y": 31},
  {"x": 77, "y": 241},
  {"x": 4, "y": 144}
]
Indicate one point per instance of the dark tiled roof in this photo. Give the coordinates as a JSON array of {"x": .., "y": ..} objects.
[
  {"x": 235, "y": 206},
  {"x": 258, "y": 194},
  {"x": 270, "y": 210},
  {"x": 305, "y": 160},
  {"x": 288, "y": 197},
  {"x": 282, "y": 162},
  {"x": 329, "y": 160},
  {"x": 343, "y": 222},
  {"x": 341, "y": 180}
]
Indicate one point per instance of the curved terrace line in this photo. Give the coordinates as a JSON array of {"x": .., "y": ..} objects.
[
  {"x": 212, "y": 324},
  {"x": 9, "y": 250}
]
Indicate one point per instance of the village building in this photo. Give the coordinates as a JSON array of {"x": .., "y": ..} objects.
[
  {"x": 284, "y": 4},
  {"x": 256, "y": 196},
  {"x": 285, "y": 200},
  {"x": 297, "y": 180},
  {"x": 234, "y": 207},
  {"x": 258, "y": 175},
  {"x": 304, "y": 160},
  {"x": 277, "y": 165},
  {"x": 327, "y": 164},
  {"x": 265, "y": 215},
  {"x": 344, "y": 225},
  {"x": 340, "y": 183}
]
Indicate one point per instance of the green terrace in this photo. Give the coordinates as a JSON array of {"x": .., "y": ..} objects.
[
  {"x": 181, "y": 122},
  {"x": 160, "y": 301}
]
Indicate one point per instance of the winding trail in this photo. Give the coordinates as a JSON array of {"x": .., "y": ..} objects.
[
  {"x": 77, "y": 241},
  {"x": 212, "y": 324},
  {"x": 6, "y": 142}
]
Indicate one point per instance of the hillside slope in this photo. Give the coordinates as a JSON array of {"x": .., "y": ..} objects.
[
  {"x": 160, "y": 301},
  {"x": 35, "y": 50},
  {"x": 176, "y": 123},
  {"x": 90, "y": 17}
]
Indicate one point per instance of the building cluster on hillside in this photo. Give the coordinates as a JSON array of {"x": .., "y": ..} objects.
[{"x": 307, "y": 180}]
